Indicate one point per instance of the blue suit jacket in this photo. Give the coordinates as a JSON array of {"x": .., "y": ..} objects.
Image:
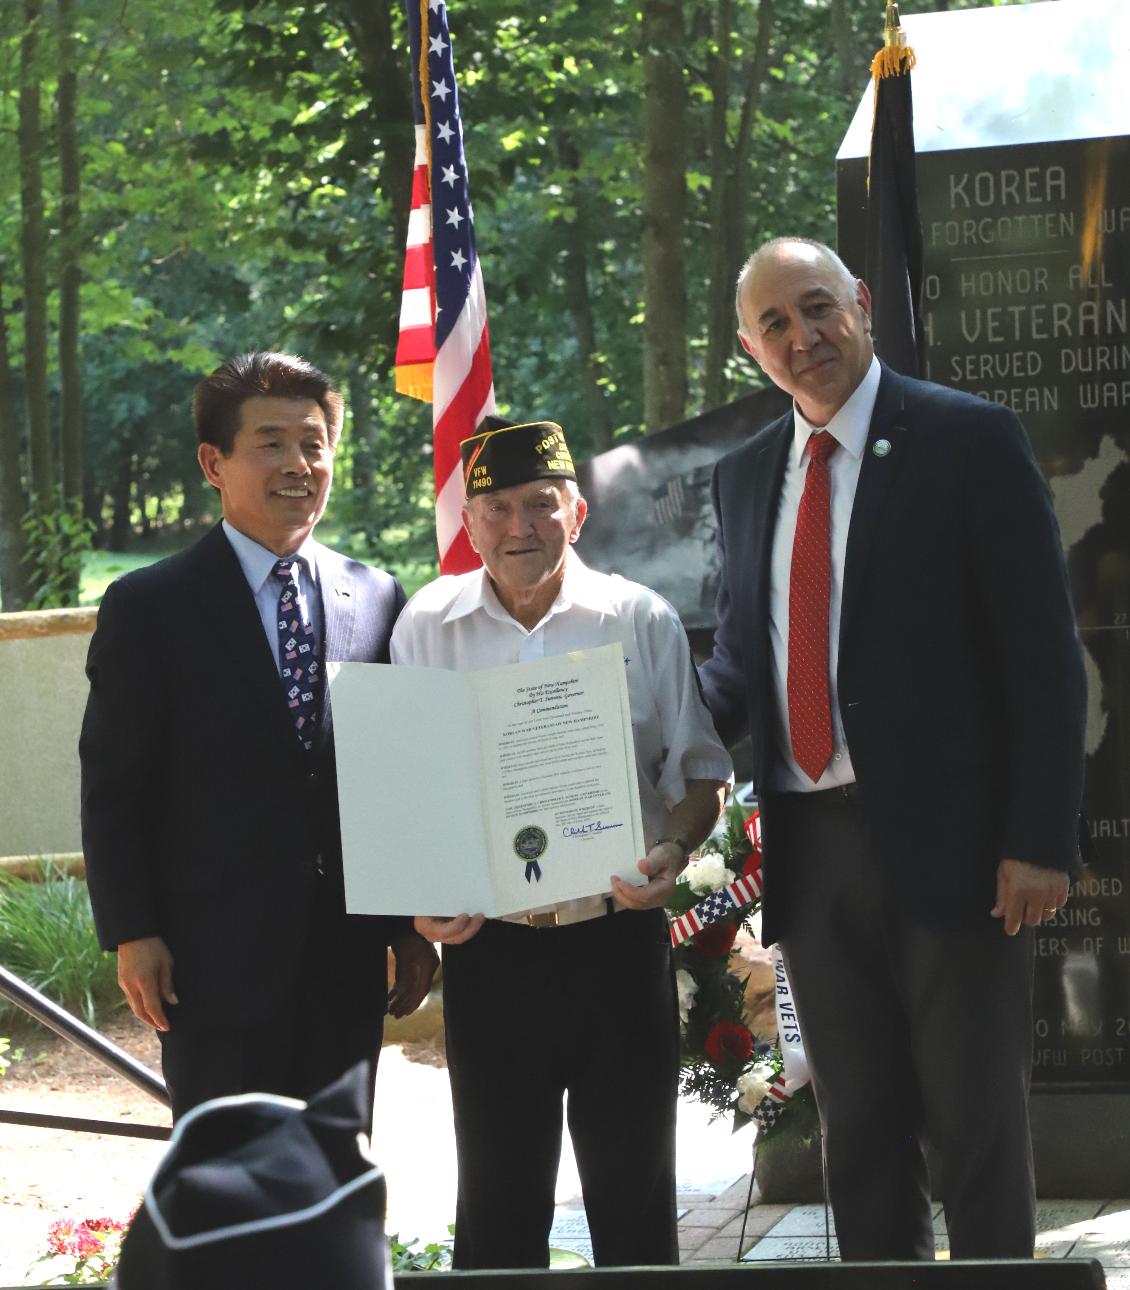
[
  {"x": 204, "y": 820},
  {"x": 960, "y": 674}
]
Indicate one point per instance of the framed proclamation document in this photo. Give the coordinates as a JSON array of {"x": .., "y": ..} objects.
[{"x": 485, "y": 792}]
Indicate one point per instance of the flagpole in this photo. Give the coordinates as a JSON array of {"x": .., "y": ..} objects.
[{"x": 894, "y": 231}]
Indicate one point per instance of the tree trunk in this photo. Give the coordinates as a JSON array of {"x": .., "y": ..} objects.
[
  {"x": 729, "y": 223},
  {"x": 719, "y": 312},
  {"x": 664, "y": 215},
  {"x": 123, "y": 487},
  {"x": 361, "y": 406},
  {"x": 847, "y": 65},
  {"x": 385, "y": 65},
  {"x": 33, "y": 249},
  {"x": 70, "y": 271},
  {"x": 580, "y": 301},
  {"x": 13, "y": 575}
]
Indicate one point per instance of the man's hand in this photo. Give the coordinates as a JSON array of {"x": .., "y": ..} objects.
[
  {"x": 145, "y": 973},
  {"x": 449, "y": 931},
  {"x": 416, "y": 964},
  {"x": 662, "y": 865},
  {"x": 1028, "y": 893}
]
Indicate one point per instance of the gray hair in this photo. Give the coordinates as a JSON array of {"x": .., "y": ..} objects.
[{"x": 770, "y": 249}]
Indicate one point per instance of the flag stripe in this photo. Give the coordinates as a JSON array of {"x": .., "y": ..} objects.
[
  {"x": 416, "y": 309},
  {"x": 456, "y": 356}
]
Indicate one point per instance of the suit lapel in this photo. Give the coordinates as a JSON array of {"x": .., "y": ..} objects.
[
  {"x": 876, "y": 478},
  {"x": 246, "y": 651},
  {"x": 768, "y": 474},
  {"x": 338, "y": 619}
]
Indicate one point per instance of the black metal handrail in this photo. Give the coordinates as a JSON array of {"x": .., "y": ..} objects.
[{"x": 50, "y": 1014}]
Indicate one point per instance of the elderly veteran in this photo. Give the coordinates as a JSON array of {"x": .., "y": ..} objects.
[{"x": 576, "y": 997}]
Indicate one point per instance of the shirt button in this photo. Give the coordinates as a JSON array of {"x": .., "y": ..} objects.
[{"x": 837, "y": 756}]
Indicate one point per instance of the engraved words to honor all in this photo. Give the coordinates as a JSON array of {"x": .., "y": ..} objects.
[
  {"x": 1038, "y": 302},
  {"x": 1026, "y": 303}
]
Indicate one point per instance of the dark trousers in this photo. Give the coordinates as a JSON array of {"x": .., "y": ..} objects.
[
  {"x": 534, "y": 1014},
  {"x": 913, "y": 1034},
  {"x": 328, "y": 1025}
]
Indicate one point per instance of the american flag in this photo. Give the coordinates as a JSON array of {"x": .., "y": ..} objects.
[
  {"x": 741, "y": 892},
  {"x": 444, "y": 350},
  {"x": 667, "y": 500}
]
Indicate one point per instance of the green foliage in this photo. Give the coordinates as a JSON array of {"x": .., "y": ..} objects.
[
  {"x": 5, "y": 1059},
  {"x": 58, "y": 540},
  {"x": 47, "y": 938},
  {"x": 240, "y": 164},
  {"x": 410, "y": 1256}
]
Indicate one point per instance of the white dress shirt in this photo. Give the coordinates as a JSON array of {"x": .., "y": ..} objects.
[
  {"x": 849, "y": 427},
  {"x": 258, "y": 564},
  {"x": 459, "y": 623}
]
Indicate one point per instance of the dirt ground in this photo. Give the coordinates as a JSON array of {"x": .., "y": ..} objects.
[{"x": 54, "y": 1173}]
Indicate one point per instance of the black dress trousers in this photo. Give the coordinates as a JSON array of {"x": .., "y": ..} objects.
[
  {"x": 533, "y": 1015},
  {"x": 914, "y": 1034}
]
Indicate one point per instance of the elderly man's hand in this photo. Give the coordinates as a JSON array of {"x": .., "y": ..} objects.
[
  {"x": 145, "y": 973},
  {"x": 449, "y": 931},
  {"x": 661, "y": 866},
  {"x": 1028, "y": 893},
  {"x": 416, "y": 963}
]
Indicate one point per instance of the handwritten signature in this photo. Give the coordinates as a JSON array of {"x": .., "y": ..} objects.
[{"x": 578, "y": 831}]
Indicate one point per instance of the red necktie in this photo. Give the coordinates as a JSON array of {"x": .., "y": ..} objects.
[{"x": 810, "y": 710}]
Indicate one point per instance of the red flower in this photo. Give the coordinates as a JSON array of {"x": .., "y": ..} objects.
[
  {"x": 728, "y": 1043},
  {"x": 71, "y": 1238},
  {"x": 81, "y": 1240},
  {"x": 715, "y": 940}
]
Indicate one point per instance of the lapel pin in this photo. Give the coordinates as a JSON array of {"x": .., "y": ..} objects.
[{"x": 881, "y": 447}]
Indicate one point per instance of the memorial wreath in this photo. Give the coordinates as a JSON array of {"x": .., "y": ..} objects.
[{"x": 723, "y": 1063}]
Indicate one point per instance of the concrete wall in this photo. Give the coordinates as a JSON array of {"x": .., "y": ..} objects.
[{"x": 42, "y": 695}]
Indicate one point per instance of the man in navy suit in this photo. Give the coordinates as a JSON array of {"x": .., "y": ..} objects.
[
  {"x": 897, "y": 634},
  {"x": 209, "y": 798}
]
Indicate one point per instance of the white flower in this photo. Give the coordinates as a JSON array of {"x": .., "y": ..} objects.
[
  {"x": 708, "y": 874},
  {"x": 687, "y": 987},
  {"x": 752, "y": 1087}
]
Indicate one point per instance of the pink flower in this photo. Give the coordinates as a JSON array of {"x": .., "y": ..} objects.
[{"x": 82, "y": 1240}]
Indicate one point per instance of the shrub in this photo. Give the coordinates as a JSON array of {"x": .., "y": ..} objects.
[{"x": 47, "y": 938}]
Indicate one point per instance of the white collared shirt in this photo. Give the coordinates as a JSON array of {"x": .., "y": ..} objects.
[
  {"x": 459, "y": 623},
  {"x": 257, "y": 564},
  {"x": 849, "y": 427}
]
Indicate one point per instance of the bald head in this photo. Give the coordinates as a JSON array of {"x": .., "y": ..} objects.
[
  {"x": 784, "y": 247},
  {"x": 807, "y": 323}
]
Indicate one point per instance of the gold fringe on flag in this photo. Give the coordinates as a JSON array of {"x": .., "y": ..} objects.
[
  {"x": 415, "y": 381},
  {"x": 896, "y": 58}
]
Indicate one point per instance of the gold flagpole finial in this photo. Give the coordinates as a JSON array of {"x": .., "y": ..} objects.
[
  {"x": 893, "y": 34},
  {"x": 896, "y": 57}
]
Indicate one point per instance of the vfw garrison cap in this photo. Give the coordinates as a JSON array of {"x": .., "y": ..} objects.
[
  {"x": 504, "y": 453},
  {"x": 257, "y": 1189}
]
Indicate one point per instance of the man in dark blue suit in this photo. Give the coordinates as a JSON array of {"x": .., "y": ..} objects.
[
  {"x": 209, "y": 797},
  {"x": 895, "y": 630}
]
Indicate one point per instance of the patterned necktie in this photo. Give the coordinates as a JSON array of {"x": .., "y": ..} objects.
[
  {"x": 297, "y": 651},
  {"x": 810, "y": 710}
]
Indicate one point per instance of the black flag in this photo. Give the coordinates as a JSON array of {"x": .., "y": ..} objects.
[{"x": 894, "y": 232}]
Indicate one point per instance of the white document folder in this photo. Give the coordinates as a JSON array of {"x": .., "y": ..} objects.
[{"x": 485, "y": 792}]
